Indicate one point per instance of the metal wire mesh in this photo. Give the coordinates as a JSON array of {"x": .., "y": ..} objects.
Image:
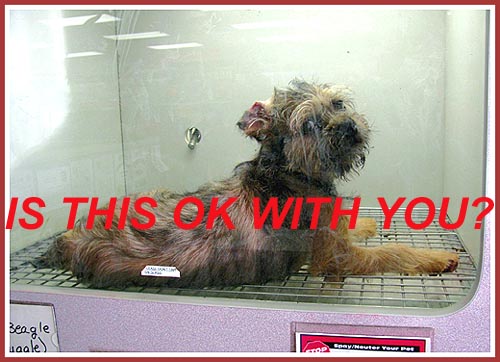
[{"x": 394, "y": 290}]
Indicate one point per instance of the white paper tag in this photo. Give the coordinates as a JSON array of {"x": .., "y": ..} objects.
[{"x": 161, "y": 271}]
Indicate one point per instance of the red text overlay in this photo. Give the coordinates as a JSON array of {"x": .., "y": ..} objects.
[{"x": 274, "y": 213}]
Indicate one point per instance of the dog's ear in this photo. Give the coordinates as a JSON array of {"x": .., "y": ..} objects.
[
  {"x": 253, "y": 127},
  {"x": 255, "y": 122}
]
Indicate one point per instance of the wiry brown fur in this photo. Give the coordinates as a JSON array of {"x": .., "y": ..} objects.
[{"x": 310, "y": 135}]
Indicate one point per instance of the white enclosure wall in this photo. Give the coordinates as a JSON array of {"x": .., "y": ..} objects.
[
  {"x": 413, "y": 73},
  {"x": 394, "y": 62},
  {"x": 464, "y": 114},
  {"x": 78, "y": 124}
]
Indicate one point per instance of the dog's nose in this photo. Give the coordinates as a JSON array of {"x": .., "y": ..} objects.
[{"x": 350, "y": 130}]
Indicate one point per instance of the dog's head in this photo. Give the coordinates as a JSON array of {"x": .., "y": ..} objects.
[{"x": 315, "y": 126}]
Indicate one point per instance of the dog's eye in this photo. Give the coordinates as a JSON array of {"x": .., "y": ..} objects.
[
  {"x": 338, "y": 105},
  {"x": 311, "y": 125}
]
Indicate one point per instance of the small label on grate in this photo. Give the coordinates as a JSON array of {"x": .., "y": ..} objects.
[{"x": 161, "y": 271}]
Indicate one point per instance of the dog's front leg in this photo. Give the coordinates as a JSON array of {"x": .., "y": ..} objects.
[
  {"x": 331, "y": 249},
  {"x": 334, "y": 254},
  {"x": 365, "y": 228},
  {"x": 395, "y": 258},
  {"x": 398, "y": 258}
]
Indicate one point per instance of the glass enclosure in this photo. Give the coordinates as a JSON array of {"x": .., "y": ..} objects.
[{"x": 99, "y": 103}]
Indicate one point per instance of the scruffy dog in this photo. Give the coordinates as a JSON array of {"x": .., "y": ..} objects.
[{"x": 310, "y": 135}]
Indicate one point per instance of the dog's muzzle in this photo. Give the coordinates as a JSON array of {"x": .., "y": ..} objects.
[{"x": 350, "y": 130}]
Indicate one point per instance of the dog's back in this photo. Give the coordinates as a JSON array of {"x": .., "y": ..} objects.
[{"x": 206, "y": 255}]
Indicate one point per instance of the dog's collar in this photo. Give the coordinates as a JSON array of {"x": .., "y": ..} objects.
[{"x": 326, "y": 187}]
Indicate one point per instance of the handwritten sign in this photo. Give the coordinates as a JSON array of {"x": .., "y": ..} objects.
[{"x": 32, "y": 329}]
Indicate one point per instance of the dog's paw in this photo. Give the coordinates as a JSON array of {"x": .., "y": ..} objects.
[
  {"x": 443, "y": 262},
  {"x": 365, "y": 228},
  {"x": 452, "y": 264}
]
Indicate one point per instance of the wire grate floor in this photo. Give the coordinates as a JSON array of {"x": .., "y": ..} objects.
[{"x": 391, "y": 290}]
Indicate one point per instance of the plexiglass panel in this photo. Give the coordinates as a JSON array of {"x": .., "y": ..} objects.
[
  {"x": 100, "y": 103},
  {"x": 64, "y": 115}
]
